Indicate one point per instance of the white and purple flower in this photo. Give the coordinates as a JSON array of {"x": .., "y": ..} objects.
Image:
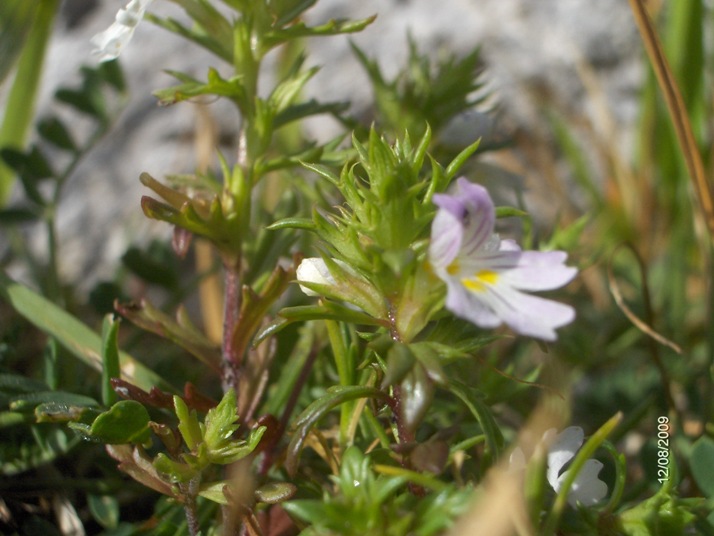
[
  {"x": 110, "y": 43},
  {"x": 485, "y": 276}
]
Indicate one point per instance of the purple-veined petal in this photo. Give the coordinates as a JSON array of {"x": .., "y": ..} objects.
[
  {"x": 540, "y": 270},
  {"x": 447, "y": 233},
  {"x": 525, "y": 314},
  {"x": 496, "y": 261},
  {"x": 480, "y": 216}
]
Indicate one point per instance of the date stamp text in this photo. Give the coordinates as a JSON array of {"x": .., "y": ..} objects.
[{"x": 662, "y": 449}]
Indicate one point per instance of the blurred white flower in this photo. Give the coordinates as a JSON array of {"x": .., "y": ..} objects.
[
  {"x": 110, "y": 43},
  {"x": 587, "y": 488}
]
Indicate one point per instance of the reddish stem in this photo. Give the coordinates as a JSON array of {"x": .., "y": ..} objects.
[{"x": 231, "y": 361}]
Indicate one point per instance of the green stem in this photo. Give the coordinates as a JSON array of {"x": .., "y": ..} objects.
[
  {"x": 376, "y": 428},
  {"x": 344, "y": 366},
  {"x": 20, "y": 107},
  {"x": 52, "y": 289}
]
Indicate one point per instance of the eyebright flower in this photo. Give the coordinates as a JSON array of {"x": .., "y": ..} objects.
[
  {"x": 110, "y": 43},
  {"x": 485, "y": 275},
  {"x": 587, "y": 487}
]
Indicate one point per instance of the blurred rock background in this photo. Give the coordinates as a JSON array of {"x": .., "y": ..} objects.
[{"x": 580, "y": 58}]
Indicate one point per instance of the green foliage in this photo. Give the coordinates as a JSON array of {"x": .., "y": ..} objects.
[
  {"x": 370, "y": 409},
  {"x": 16, "y": 19},
  {"x": 207, "y": 443},
  {"x": 424, "y": 94},
  {"x": 377, "y": 247},
  {"x": 125, "y": 422},
  {"x": 364, "y": 503},
  {"x": 79, "y": 339},
  {"x": 701, "y": 459},
  {"x": 26, "y": 32}
]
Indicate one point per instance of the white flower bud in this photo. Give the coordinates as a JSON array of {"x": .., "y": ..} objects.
[{"x": 314, "y": 270}]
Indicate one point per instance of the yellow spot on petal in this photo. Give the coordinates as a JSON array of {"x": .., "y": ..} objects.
[
  {"x": 480, "y": 280},
  {"x": 487, "y": 276},
  {"x": 453, "y": 268}
]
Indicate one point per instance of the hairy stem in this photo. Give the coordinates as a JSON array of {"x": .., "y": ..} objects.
[
  {"x": 190, "y": 507},
  {"x": 231, "y": 361}
]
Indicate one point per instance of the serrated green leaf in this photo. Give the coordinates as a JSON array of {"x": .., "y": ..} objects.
[
  {"x": 300, "y": 29},
  {"x": 173, "y": 471},
  {"x": 288, "y": 90},
  {"x": 237, "y": 450},
  {"x": 285, "y": 11},
  {"x": 201, "y": 39},
  {"x": 310, "y": 108},
  {"x": 221, "y": 422},
  {"x": 210, "y": 21},
  {"x": 188, "y": 424},
  {"x": 324, "y": 171},
  {"x": 215, "y": 85}
]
